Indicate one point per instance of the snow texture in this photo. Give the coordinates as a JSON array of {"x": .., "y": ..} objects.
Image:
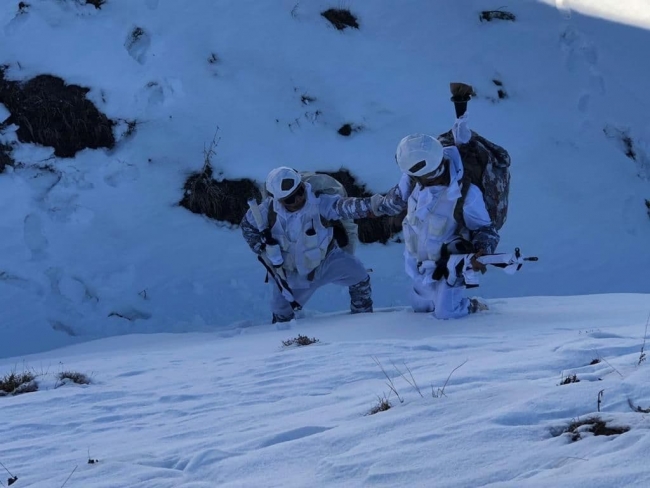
[{"x": 101, "y": 270}]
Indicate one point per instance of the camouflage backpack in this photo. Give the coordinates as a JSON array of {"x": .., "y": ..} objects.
[{"x": 487, "y": 165}]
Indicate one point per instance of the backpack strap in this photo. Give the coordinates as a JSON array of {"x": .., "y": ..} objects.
[
  {"x": 460, "y": 203},
  {"x": 458, "y": 209},
  {"x": 273, "y": 215}
]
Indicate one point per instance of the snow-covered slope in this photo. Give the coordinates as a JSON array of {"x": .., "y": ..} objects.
[
  {"x": 101, "y": 237},
  {"x": 202, "y": 410}
]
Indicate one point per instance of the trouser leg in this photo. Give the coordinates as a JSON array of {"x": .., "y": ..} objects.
[
  {"x": 422, "y": 298},
  {"x": 281, "y": 308},
  {"x": 449, "y": 301},
  {"x": 341, "y": 268}
]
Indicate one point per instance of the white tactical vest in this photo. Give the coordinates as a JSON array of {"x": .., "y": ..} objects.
[
  {"x": 303, "y": 238},
  {"x": 430, "y": 222}
]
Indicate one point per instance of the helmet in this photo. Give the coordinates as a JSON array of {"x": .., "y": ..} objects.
[
  {"x": 282, "y": 181},
  {"x": 419, "y": 154}
]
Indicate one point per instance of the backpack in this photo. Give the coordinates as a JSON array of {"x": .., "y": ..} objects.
[
  {"x": 487, "y": 165},
  {"x": 345, "y": 231}
]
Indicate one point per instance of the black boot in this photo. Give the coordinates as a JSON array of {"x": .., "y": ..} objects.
[{"x": 280, "y": 319}]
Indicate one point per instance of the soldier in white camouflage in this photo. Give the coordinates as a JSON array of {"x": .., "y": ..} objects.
[
  {"x": 429, "y": 190},
  {"x": 303, "y": 243}
]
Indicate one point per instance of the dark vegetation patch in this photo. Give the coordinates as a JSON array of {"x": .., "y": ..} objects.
[
  {"x": 225, "y": 200},
  {"x": 300, "y": 340},
  {"x": 647, "y": 206},
  {"x": 501, "y": 92},
  {"x": 490, "y": 15},
  {"x": 16, "y": 383},
  {"x": 379, "y": 229},
  {"x": 135, "y": 35},
  {"x": 594, "y": 361},
  {"x": 628, "y": 144},
  {"x": 341, "y": 18},
  {"x": 95, "y": 3},
  {"x": 306, "y": 99},
  {"x": 5, "y": 157},
  {"x": 72, "y": 376},
  {"x": 382, "y": 405},
  {"x": 130, "y": 314},
  {"x": 345, "y": 130},
  {"x": 131, "y": 127},
  {"x": 594, "y": 425},
  {"x": 23, "y": 7},
  {"x": 625, "y": 140},
  {"x": 570, "y": 379},
  {"x": 51, "y": 113}
]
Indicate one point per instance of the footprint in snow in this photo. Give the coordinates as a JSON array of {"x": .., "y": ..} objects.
[
  {"x": 137, "y": 44},
  {"x": 34, "y": 237},
  {"x": 120, "y": 172}
]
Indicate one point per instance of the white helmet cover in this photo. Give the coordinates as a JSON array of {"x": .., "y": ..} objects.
[
  {"x": 419, "y": 154},
  {"x": 281, "y": 182}
]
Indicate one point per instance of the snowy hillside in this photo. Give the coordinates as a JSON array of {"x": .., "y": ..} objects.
[
  {"x": 97, "y": 245},
  {"x": 547, "y": 388},
  {"x": 534, "y": 393}
]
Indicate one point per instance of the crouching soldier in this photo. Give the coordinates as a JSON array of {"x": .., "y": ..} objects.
[
  {"x": 293, "y": 227},
  {"x": 443, "y": 218}
]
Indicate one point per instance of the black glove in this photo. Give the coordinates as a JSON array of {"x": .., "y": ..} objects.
[
  {"x": 272, "y": 248},
  {"x": 268, "y": 238},
  {"x": 460, "y": 246}
]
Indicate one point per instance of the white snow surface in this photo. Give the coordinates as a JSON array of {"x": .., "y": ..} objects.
[
  {"x": 101, "y": 271},
  {"x": 237, "y": 408}
]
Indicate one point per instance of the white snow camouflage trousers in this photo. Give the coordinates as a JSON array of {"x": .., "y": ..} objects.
[
  {"x": 440, "y": 299},
  {"x": 338, "y": 268}
]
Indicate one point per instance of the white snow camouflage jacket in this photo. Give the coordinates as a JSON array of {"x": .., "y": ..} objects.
[
  {"x": 301, "y": 252},
  {"x": 430, "y": 222}
]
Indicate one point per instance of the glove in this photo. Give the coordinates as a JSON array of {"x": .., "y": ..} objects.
[
  {"x": 268, "y": 238},
  {"x": 274, "y": 254},
  {"x": 477, "y": 265},
  {"x": 460, "y": 246},
  {"x": 461, "y": 92},
  {"x": 272, "y": 248},
  {"x": 375, "y": 201}
]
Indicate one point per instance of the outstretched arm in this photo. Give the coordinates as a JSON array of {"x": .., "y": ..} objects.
[
  {"x": 483, "y": 233},
  {"x": 335, "y": 207},
  {"x": 393, "y": 203},
  {"x": 396, "y": 200}
]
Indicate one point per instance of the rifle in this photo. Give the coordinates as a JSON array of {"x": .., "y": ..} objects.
[
  {"x": 277, "y": 273},
  {"x": 509, "y": 262},
  {"x": 453, "y": 266}
]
